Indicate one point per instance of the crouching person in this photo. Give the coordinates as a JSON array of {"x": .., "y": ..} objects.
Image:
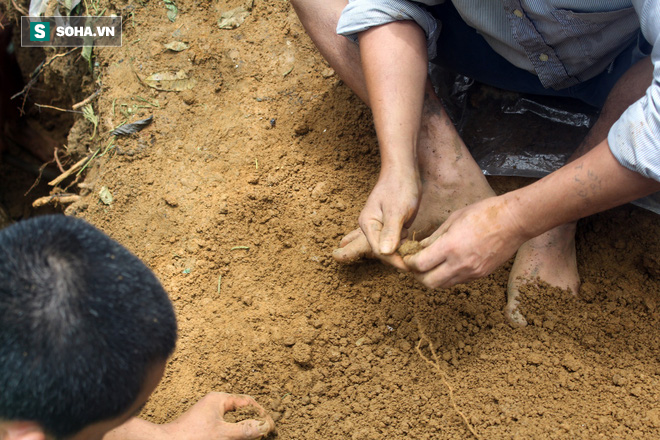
[{"x": 85, "y": 333}]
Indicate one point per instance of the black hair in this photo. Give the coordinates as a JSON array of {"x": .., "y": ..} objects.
[{"x": 82, "y": 322}]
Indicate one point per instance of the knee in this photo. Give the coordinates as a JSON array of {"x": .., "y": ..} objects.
[
  {"x": 297, "y": 4},
  {"x": 318, "y": 6}
]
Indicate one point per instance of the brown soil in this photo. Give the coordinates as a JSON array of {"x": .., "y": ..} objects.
[
  {"x": 243, "y": 413},
  {"x": 271, "y": 153},
  {"x": 409, "y": 247}
]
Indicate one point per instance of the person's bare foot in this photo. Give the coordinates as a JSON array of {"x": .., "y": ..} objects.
[
  {"x": 550, "y": 258},
  {"x": 451, "y": 180}
]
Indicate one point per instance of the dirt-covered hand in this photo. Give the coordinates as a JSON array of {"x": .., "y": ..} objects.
[
  {"x": 205, "y": 420},
  {"x": 469, "y": 245},
  {"x": 391, "y": 206}
]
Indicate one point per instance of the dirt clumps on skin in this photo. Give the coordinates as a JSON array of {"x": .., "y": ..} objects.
[
  {"x": 236, "y": 196},
  {"x": 244, "y": 413},
  {"x": 409, "y": 247}
]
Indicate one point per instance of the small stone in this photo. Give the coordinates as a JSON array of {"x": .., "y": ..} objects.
[
  {"x": 334, "y": 355},
  {"x": 327, "y": 73},
  {"x": 288, "y": 341},
  {"x": 535, "y": 359},
  {"x": 170, "y": 200},
  {"x": 619, "y": 380},
  {"x": 570, "y": 363},
  {"x": 301, "y": 130},
  {"x": 320, "y": 191},
  {"x": 188, "y": 97},
  {"x": 341, "y": 206}
]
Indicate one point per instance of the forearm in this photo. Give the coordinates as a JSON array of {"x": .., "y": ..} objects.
[
  {"x": 135, "y": 429},
  {"x": 593, "y": 183},
  {"x": 394, "y": 61}
]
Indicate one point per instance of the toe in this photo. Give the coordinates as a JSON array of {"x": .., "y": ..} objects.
[
  {"x": 511, "y": 310},
  {"x": 353, "y": 251},
  {"x": 350, "y": 237},
  {"x": 513, "y": 316}
]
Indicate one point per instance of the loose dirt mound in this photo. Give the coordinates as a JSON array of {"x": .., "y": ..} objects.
[{"x": 236, "y": 196}]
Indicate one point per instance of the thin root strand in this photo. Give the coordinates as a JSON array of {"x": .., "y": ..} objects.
[{"x": 435, "y": 364}]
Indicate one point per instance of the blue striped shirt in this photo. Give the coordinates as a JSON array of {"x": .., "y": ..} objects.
[{"x": 563, "y": 42}]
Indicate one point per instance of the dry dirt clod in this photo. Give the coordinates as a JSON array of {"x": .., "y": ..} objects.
[
  {"x": 243, "y": 413},
  {"x": 302, "y": 354},
  {"x": 320, "y": 191},
  {"x": 410, "y": 247}
]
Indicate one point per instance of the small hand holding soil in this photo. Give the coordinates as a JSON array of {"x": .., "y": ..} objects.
[
  {"x": 223, "y": 416},
  {"x": 244, "y": 413},
  {"x": 247, "y": 411}
]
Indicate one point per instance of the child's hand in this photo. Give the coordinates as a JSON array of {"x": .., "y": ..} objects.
[{"x": 205, "y": 420}]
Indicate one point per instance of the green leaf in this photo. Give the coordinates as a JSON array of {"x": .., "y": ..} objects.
[
  {"x": 105, "y": 195},
  {"x": 172, "y": 10},
  {"x": 88, "y": 113},
  {"x": 233, "y": 19}
]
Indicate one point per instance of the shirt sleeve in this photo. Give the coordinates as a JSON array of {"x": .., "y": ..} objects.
[
  {"x": 360, "y": 15},
  {"x": 635, "y": 138}
]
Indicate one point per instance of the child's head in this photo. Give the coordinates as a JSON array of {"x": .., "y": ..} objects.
[{"x": 85, "y": 328}]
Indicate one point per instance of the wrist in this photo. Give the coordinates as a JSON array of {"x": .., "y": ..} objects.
[
  {"x": 399, "y": 169},
  {"x": 138, "y": 429},
  {"x": 519, "y": 218}
]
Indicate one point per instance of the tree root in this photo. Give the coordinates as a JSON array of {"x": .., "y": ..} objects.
[{"x": 435, "y": 364}]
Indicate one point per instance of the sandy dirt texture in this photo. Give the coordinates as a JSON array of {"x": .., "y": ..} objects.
[{"x": 236, "y": 196}]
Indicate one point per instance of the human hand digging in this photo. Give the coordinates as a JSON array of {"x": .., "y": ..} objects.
[
  {"x": 390, "y": 208},
  {"x": 470, "y": 244},
  {"x": 205, "y": 420}
]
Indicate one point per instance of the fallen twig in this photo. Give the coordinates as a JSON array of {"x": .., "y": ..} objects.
[
  {"x": 88, "y": 162},
  {"x": 64, "y": 198},
  {"x": 57, "y": 159},
  {"x": 40, "y": 68},
  {"x": 19, "y": 9},
  {"x": 86, "y": 101},
  {"x": 68, "y": 172},
  {"x": 52, "y": 107}
]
